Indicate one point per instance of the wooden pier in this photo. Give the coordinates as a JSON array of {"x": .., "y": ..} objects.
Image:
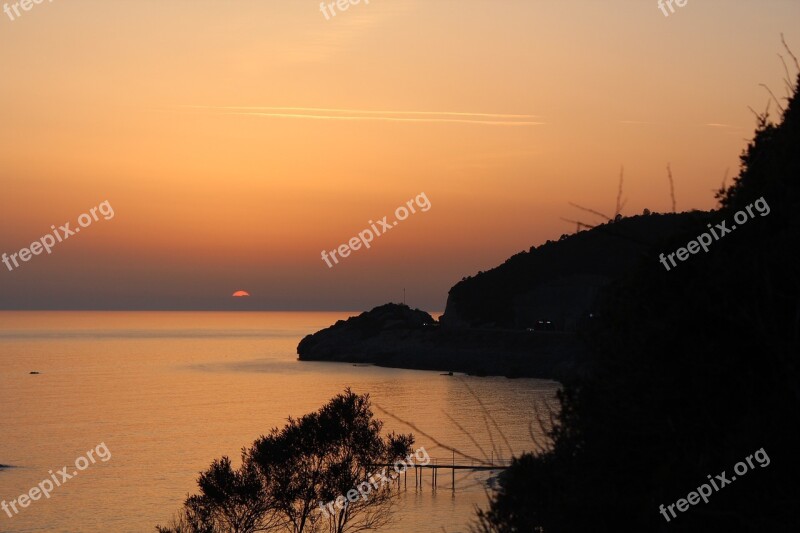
[{"x": 434, "y": 466}]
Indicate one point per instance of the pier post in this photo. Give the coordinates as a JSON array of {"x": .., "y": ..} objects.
[{"x": 453, "y": 471}]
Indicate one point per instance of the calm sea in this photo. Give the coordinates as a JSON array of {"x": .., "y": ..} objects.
[{"x": 169, "y": 392}]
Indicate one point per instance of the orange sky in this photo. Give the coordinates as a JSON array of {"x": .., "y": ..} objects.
[{"x": 176, "y": 113}]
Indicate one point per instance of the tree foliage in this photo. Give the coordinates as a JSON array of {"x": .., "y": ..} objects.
[{"x": 285, "y": 476}]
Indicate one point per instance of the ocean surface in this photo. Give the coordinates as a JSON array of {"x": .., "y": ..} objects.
[{"x": 168, "y": 392}]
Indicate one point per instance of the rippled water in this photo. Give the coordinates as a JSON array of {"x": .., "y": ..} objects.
[{"x": 169, "y": 392}]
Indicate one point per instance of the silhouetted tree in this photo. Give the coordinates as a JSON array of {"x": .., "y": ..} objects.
[
  {"x": 286, "y": 475},
  {"x": 229, "y": 501}
]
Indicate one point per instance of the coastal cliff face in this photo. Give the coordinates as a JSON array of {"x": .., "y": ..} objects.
[{"x": 560, "y": 281}]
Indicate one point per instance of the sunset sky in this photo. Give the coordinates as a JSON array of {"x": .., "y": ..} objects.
[{"x": 237, "y": 140}]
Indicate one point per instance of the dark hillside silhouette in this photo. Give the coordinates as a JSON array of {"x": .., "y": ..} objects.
[
  {"x": 506, "y": 296},
  {"x": 695, "y": 369}
]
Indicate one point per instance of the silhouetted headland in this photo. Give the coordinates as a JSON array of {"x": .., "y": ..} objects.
[{"x": 524, "y": 318}]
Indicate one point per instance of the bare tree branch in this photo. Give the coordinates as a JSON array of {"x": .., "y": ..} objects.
[
  {"x": 721, "y": 189},
  {"x": 486, "y": 413},
  {"x": 591, "y": 211},
  {"x": 761, "y": 118},
  {"x": 789, "y": 51},
  {"x": 777, "y": 102},
  {"x": 787, "y": 80},
  {"x": 671, "y": 187},
  {"x": 620, "y": 203},
  {"x": 578, "y": 222},
  {"x": 469, "y": 436},
  {"x": 433, "y": 439}
]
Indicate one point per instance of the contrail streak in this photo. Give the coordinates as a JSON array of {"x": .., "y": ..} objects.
[
  {"x": 391, "y": 119},
  {"x": 364, "y": 111}
]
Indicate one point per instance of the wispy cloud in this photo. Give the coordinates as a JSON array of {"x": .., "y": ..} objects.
[
  {"x": 364, "y": 111},
  {"x": 715, "y": 125},
  {"x": 322, "y": 39},
  {"x": 707, "y": 125},
  {"x": 640, "y": 122},
  {"x": 322, "y": 113}
]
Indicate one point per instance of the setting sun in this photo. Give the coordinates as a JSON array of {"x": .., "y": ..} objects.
[{"x": 240, "y": 294}]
